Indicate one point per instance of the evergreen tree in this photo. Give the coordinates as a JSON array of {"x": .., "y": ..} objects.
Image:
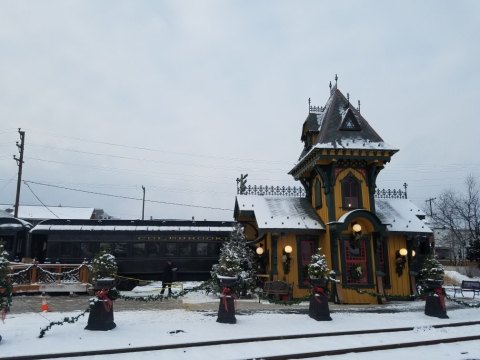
[
  {"x": 318, "y": 266},
  {"x": 237, "y": 259},
  {"x": 104, "y": 265},
  {"x": 431, "y": 270},
  {"x": 5, "y": 284}
]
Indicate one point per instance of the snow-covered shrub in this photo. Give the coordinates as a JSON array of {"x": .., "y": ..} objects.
[
  {"x": 318, "y": 269},
  {"x": 5, "y": 284},
  {"x": 104, "y": 265},
  {"x": 431, "y": 270}
]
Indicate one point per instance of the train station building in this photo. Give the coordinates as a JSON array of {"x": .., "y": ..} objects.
[{"x": 373, "y": 239}]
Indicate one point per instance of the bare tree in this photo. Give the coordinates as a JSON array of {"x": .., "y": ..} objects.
[{"x": 459, "y": 214}]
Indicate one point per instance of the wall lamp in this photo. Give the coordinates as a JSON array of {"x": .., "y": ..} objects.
[
  {"x": 400, "y": 260},
  {"x": 259, "y": 250},
  {"x": 286, "y": 259}
]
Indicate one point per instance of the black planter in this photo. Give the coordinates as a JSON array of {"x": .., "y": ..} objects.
[
  {"x": 101, "y": 317},
  {"x": 435, "y": 304},
  {"x": 226, "y": 310},
  {"x": 318, "y": 308},
  {"x": 227, "y": 281},
  {"x": 321, "y": 282}
]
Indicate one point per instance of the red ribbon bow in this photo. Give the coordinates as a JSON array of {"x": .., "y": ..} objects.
[
  {"x": 319, "y": 291},
  {"x": 439, "y": 293},
  {"x": 227, "y": 292},
  {"x": 107, "y": 302}
]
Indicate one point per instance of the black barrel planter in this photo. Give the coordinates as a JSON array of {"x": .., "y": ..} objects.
[
  {"x": 101, "y": 313},
  {"x": 318, "y": 308},
  {"x": 226, "y": 308},
  {"x": 435, "y": 300}
]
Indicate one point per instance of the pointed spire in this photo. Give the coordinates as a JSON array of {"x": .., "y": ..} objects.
[
  {"x": 336, "y": 80},
  {"x": 309, "y": 105},
  {"x": 358, "y": 106},
  {"x": 348, "y": 98},
  {"x": 330, "y": 86}
]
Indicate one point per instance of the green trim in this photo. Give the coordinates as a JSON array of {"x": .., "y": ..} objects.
[
  {"x": 358, "y": 214},
  {"x": 274, "y": 259}
]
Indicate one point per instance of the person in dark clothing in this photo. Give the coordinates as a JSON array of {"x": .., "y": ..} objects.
[{"x": 167, "y": 277}]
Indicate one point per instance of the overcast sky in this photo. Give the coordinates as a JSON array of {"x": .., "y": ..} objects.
[{"x": 184, "y": 96}]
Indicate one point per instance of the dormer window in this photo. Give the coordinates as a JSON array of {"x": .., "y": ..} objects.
[{"x": 351, "y": 193}]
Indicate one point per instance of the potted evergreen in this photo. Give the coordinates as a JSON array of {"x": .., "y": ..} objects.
[
  {"x": 5, "y": 284},
  {"x": 431, "y": 280},
  {"x": 234, "y": 273},
  {"x": 104, "y": 270},
  {"x": 319, "y": 274}
]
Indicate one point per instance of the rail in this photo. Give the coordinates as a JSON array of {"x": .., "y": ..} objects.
[{"x": 49, "y": 277}]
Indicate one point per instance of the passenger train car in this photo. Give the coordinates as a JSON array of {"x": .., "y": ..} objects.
[{"x": 141, "y": 247}]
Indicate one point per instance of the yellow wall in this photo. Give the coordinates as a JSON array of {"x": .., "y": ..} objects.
[{"x": 400, "y": 285}]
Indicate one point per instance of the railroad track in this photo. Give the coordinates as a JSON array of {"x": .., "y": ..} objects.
[{"x": 300, "y": 355}]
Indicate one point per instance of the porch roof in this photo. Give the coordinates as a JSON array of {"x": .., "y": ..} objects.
[{"x": 279, "y": 213}]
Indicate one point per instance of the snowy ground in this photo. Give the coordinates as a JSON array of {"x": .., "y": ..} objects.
[{"x": 144, "y": 328}]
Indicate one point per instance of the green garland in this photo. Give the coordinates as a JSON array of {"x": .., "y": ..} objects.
[{"x": 66, "y": 320}]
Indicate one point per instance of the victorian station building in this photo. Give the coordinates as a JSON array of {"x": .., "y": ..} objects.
[{"x": 373, "y": 239}]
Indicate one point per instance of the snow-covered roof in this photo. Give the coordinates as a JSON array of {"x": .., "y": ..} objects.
[
  {"x": 12, "y": 223},
  {"x": 61, "y": 212},
  {"x": 56, "y": 227},
  {"x": 278, "y": 212},
  {"x": 401, "y": 215}
]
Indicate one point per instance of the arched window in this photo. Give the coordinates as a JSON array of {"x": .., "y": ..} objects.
[
  {"x": 318, "y": 194},
  {"x": 351, "y": 193}
]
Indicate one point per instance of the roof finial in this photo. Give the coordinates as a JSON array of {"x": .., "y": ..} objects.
[
  {"x": 359, "y": 106},
  {"x": 336, "y": 79},
  {"x": 330, "y": 86},
  {"x": 309, "y": 105},
  {"x": 348, "y": 98}
]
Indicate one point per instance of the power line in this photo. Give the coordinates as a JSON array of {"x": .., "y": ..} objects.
[
  {"x": 126, "y": 197},
  {"x": 159, "y": 150},
  {"x": 41, "y": 202}
]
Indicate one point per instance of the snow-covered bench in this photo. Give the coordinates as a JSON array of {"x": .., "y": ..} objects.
[
  {"x": 277, "y": 288},
  {"x": 468, "y": 285}
]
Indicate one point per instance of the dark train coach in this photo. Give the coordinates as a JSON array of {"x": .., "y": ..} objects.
[{"x": 141, "y": 247}]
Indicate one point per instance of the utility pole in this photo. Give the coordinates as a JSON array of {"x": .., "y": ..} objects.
[
  {"x": 431, "y": 209},
  {"x": 143, "y": 203},
  {"x": 19, "y": 164}
]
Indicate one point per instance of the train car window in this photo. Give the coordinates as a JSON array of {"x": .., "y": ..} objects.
[
  {"x": 138, "y": 249},
  {"x": 53, "y": 250},
  {"x": 106, "y": 247},
  {"x": 87, "y": 250},
  {"x": 202, "y": 249},
  {"x": 7, "y": 242},
  {"x": 120, "y": 250},
  {"x": 153, "y": 249},
  {"x": 170, "y": 249},
  {"x": 185, "y": 249},
  {"x": 66, "y": 249}
]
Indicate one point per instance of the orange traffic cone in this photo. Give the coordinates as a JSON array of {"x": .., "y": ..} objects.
[{"x": 44, "y": 304}]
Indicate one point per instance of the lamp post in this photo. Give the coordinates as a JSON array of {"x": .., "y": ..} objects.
[{"x": 143, "y": 203}]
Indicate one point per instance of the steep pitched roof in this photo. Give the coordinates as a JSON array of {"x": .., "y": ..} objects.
[{"x": 338, "y": 125}]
